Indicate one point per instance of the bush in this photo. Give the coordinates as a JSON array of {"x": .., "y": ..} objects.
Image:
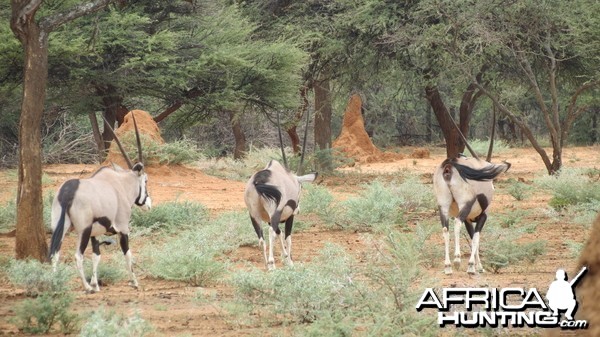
[
  {"x": 499, "y": 248},
  {"x": 38, "y": 278},
  {"x": 169, "y": 217},
  {"x": 102, "y": 323},
  {"x": 481, "y": 146},
  {"x": 39, "y": 315},
  {"x": 8, "y": 215},
  {"x": 189, "y": 257},
  {"x": 519, "y": 190},
  {"x": 570, "y": 187},
  {"x": 381, "y": 205},
  {"x": 318, "y": 200},
  {"x": 178, "y": 152}
]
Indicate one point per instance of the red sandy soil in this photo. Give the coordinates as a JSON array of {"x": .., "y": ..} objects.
[{"x": 171, "y": 307}]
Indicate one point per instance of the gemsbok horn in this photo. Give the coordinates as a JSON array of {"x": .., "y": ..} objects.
[{"x": 98, "y": 205}]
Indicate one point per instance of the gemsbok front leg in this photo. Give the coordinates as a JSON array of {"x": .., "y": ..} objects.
[
  {"x": 82, "y": 243},
  {"x": 124, "y": 242},
  {"x": 95, "y": 261},
  {"x": 288, "y": 239}
]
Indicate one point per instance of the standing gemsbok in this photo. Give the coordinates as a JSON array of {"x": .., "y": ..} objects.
[
  {"x": 272, "y": 195},
  {"x": 98, "y": 205},
  {"x": 464, "y": 190}
]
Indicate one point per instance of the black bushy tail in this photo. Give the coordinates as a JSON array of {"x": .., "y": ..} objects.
[
  {"x": 57, "y": 234},
  {"x": 271, "y": 193},
  {"x": 65, "y": 197},
  {"x": 487, "y": 173}
]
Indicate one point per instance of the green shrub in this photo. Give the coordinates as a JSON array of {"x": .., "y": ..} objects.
[
  {"x": 499, "y": 248},
  {"x": 519, "y": 190},
  {"x": 583, "y": 213},
  {"x": 177, "y": 152},
  {"x": 39, "y": 315},
  {"x": 189, "y": 257},
  {"x": 37, "y": 278},
  {"x": 569, "y": 187},
  {"x": 318, "y": 200},
  {"x": 481, "y": 146},
  {"x": 301, "y": 293},
  {"x": 380, "y": 205},
  {"x": 169, "y": 217},
  {"x": 102, "y": 323},
  {"x": 8, "y": 215},
  {"x": 234, "y": 228}
]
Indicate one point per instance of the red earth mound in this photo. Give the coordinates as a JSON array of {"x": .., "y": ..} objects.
[
  {"x": 354, "y": 141},
  {"x": 146, "y": 126}
]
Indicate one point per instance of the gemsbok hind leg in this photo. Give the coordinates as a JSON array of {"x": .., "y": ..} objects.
[
  {"x": 474, "y": 259},
  {"x": 261, "y": 240},
  {"x": 95, "y": 262},
  {"x": 288, "y": 240},
  {"x": 124, "y": 242},
  {"x": 445, "y": 222},
  {"x": 84, "y": 238}
]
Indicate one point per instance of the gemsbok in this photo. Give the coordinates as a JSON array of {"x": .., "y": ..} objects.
[
  {"x": 98, "y": 205},
  {"x": 272, "y": 195},
  {"x": 464, "y": 190}
]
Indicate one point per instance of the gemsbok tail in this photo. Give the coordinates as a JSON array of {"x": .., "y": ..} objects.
[
  {"x": 488, "y": 172},
  {"x": 57, "y": 234},
  {"x": 65, "y": 197}
]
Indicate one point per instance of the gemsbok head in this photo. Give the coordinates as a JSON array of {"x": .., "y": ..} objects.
[{"x": 98, "y": 205}]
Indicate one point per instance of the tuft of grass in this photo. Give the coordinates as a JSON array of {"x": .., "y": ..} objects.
[
  {"x": 38, "y": 278},
  {"x": 108, "y": 323},
  {"x": 569, "y": 187},
  {"x": 169, "y": 217},
  {"x": 519, "y": 190},
  {"x": 39, "y": 315},
  {"x": 189, "y": 257},
  {"x": 380, "y": 205},
  {"x": 500, "y": 249},
  {"x": 8, "y": 215},
  {"x": 318, "y": 200}
]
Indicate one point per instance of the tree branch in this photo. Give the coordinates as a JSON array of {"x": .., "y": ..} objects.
[{"x": 51, "y": 22}]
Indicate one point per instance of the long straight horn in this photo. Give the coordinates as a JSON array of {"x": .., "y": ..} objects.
[
  {"x": 118, "y": 143},
  {"x": 462, "y": 136},
  {"x": 281, "y": 141},
  {"x": 137, "y": 137}
]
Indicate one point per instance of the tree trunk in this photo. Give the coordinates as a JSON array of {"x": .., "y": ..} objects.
[
  {"x": 97, "y": 135},
  {"x": 238, "y": 133},
  {"x": 454, "y": 144},
  {"x": 292, "y": 128},
  {"x": 322, "y": 130},
  {"x": 30, "y": 232},
  {"x": 114, "y": 111}
]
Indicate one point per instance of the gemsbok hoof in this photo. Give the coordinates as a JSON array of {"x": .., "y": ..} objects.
[
  {"x": 471, "y": 270},
  {"x": 457, "y": 263},
  {"x": 448, "y": 270}
]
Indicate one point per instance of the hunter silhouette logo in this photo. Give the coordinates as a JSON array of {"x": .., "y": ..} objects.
[
  {"x": 507, "y": 307},
  {"x": 561, "y": 296}
]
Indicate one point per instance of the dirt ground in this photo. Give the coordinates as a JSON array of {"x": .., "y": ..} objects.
[{"x": 171, "y": 307}]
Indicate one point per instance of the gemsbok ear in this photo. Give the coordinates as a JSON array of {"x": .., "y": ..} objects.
[{"x": 307, "y": 178}]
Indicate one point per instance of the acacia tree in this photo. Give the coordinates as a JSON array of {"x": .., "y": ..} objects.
[{"x": 33, "y": 35}]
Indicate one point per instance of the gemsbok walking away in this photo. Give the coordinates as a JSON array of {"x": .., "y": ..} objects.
[
  {"x": 464, "y": 190},
  {"x": 272, "y": 195},
  {"x": 99, "y": 205}
]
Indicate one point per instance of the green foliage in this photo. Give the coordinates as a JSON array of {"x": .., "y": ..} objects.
[
  {"x": 110, "y": 271},
  {"x": 569, "y": 187},
  {"x": 8, "y": 215},
  {"x": 38, "y": 278},
  {"x": 108, "y": 323},
  {"x": 316, "y": 199},
  {"x": 169, "y": 217},
  {"x": 519, "y": 190},
  {"x": 380, "y": 205},
  {"x": 189, "y": 257},
  {"x": 39, "y": 315},
  {"x": 500, "y": 248},
  {"x": 177, "y": 152},
  {"x": 480, "y": 146},
  {"x": 301, "y": 293}
]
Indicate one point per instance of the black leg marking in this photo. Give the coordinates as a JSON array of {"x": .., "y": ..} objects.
[
  {"x": 288, "y": 226},
  {"x": 85, "y": 238},
  {"x": 275, "y": 221},
  {"x": 257, "y": 228},
  {"x": 480, "y": 222},
  {"x": 105, "y": 222},
  {"x": 483, "y": 202},
  {"x": 95, "y": 245},
  {"x": 464, "y": 212},
  {"x": 292, "y": 204},
  {"x": 444, "y": 220},
  {"x": 124, "y": 242},
  {"x": 469, "y": 227}
]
